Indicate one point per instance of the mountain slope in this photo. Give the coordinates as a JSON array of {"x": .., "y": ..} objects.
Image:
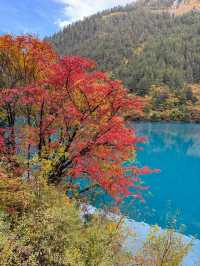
[
  {"x": 142, "y": 44},
  {"x": 112, "y": 33},
  {"x": 181, "y": 7}
]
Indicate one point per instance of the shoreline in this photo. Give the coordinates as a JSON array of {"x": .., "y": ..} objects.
[
  {"x": 165, "y": 121},
  {"x": 140, "y": 230}
]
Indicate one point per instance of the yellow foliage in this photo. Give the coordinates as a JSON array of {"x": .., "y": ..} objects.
[
  {"x": 15, "y": 195},
  {"x": 162, "y": 248},
  {"x": 139, "y": 50},
  {"x": 185, "y": 7},
  {"x": 113, "y": 14},
  {"x": 52, "y": 233}
]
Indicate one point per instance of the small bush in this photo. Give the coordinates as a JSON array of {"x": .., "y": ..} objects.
[
  {"x": 52, "y": 233},
  {"x": 176, "y": 114},
  {"x": 165, "y": 248}
]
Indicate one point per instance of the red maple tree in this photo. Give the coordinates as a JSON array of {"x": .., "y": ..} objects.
[{"x": 68, "y": 115}]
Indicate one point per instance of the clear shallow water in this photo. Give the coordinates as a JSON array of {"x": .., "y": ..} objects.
[
  {"x": 174, "y": 193},
  {"x": 175, "y": 149}
]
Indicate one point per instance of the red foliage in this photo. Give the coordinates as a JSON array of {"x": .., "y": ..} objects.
[
  {"x": 75, "y": 107},
  {"x": 2, "y": 143}
]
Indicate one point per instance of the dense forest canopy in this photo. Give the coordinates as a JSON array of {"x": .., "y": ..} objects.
[{"x": 142, "y": 44}]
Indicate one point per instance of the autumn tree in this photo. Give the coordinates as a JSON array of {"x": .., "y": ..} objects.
[
  {"x": 69, "y": 119},
  {"x": 24, "y": 60}
]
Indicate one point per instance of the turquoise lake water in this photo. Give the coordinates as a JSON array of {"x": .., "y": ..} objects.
[{"x": 174, "y": 193}]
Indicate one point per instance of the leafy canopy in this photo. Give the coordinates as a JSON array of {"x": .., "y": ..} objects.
[{"x": 63, "y": 118}]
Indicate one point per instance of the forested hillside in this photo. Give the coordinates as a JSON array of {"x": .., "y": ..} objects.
[{"x": 143, "y": 44}]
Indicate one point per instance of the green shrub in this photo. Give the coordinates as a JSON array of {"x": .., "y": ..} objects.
[
  {"x": 154, "y": 115},
  {"x": 165, "y": 248},
  {"x": 52, "y": 233},
  {"x": 40, "y": 226},
  {"x": 176, "y": 114}
]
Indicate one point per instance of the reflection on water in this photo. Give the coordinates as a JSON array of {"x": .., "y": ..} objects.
[
  {"x": 175, "y": 149},
  {"x": 176, "y": 136}
]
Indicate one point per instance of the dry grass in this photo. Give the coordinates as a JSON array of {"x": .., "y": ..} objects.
[{"x": 185, "y": 7}]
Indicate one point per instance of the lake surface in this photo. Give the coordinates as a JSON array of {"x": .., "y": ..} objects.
[{"x": 174, "y": 193}]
